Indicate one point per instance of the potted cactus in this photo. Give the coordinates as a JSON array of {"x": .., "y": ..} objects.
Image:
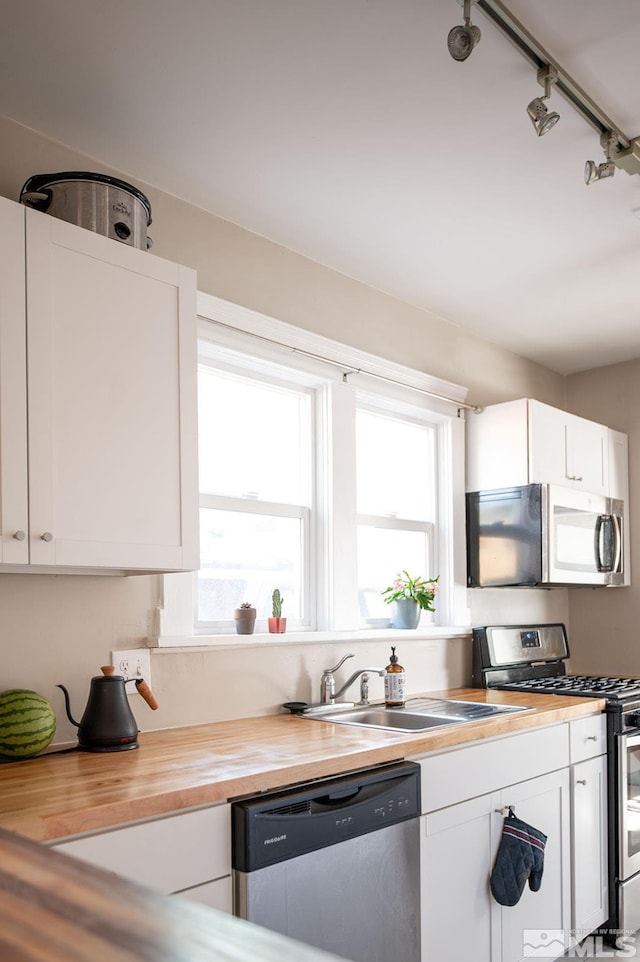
[
  {"x": 277, "y": 624},
  {"x": 245, "y": 618}
]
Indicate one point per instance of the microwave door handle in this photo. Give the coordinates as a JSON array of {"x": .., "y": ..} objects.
[
  {"x": 617, "y": 550},
  {"x": 598, "y": 539},
  {"x": 612, "y": 522},
  {"x": 604, "y": 524}
]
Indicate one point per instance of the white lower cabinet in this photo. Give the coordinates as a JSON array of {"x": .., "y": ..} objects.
[
  {"x": 540, "y": 920},
  {"x": 455, "y": 862},
  {"x": 589, "y": 849},
  {"x": 217, "y": 894},
  {"x": 589, "y": 845},
  {"x": 460, "y": 918},
  {"x": 555, "y": 779},
  {"x": 187, "y": 854}
]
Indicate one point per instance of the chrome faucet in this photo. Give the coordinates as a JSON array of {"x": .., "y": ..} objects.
[
  {"x": 328, "y": 682},
  {"x": 328, "y": 693}
]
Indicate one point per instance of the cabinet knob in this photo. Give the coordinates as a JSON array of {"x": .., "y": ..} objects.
[
  {"x": 47, "y": 536},
  {"x": 581, "y": 781},
  {"x": 20, "y": 535}
]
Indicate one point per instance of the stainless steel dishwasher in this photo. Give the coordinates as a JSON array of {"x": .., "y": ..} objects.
[{"x": 335, "y": 863}]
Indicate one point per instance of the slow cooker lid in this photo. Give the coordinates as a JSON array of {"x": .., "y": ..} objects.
[{"x": 41, "y": 181}]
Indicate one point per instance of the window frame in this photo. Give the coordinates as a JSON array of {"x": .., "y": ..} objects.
[
  {"x": 227, "y": 331},
  {"x": 412, "y": 415},
  {"x": 246, "y": 367}
]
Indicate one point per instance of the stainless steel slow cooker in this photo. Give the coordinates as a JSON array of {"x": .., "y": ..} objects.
[{"x": 97, "y": 202}]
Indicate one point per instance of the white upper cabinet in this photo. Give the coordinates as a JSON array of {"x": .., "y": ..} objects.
[
  {"x": 110, "y": 438},
  {"x": 14, "y": 508},
  {"x": 527, "y": 442},
  {"x": 619, "y": 466},
  {"x": 567, "y": 450}
]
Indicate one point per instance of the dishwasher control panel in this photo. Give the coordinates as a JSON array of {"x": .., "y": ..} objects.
[
  {"x": 396, "y": 805},
  {"x": 282, "y": 825}
]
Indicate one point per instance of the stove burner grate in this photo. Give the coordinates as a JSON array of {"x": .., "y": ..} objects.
[{"x": 589, "y": 686}]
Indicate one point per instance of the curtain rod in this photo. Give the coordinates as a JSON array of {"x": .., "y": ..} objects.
[{"x": 461, "y": 405}]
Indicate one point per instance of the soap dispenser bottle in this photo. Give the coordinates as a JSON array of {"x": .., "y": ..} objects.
[{"x": 394, "y": 683}]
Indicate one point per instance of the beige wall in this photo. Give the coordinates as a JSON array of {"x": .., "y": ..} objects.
[
  {"x": 60, "y": 628},
  {"x": 605, "y": 633},
  {"x": 249, "y": 270}
]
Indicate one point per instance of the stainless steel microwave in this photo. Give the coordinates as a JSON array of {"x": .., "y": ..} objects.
[{"x": 542, "y": 534}]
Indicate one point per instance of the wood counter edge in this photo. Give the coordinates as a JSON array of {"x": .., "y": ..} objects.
[{"x": 352, "y": 748}]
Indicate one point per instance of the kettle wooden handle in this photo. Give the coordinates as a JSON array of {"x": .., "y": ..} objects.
[{"x": 147, "y": 694}]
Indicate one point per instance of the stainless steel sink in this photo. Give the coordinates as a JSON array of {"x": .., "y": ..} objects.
[
  {"x": 420, "y": 714},
  {"x": 389, "y": 718}
]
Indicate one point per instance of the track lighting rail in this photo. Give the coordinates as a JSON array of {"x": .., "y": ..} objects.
[{"x": 627, "y": 152}]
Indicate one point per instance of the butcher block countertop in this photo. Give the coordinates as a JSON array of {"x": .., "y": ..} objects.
[
  {"x": 57, "y": 909},
  {"x": 59, "y": 795}
]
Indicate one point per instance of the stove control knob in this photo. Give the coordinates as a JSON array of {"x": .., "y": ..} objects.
[{"x": 632, "y": 720}]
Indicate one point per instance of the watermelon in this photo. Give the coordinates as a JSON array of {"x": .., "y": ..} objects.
[{"x": 27, "y": 722}]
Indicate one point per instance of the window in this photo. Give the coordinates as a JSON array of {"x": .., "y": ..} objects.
[
  {"x": 396, "y": 503},
  {"x": 319, "y": 480},
  {"x": 255, "y": 439}
]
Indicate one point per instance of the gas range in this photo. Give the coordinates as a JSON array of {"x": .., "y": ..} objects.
[{"x": 532, "y": 659}]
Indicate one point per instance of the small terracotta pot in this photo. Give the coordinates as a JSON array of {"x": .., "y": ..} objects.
[
  {"x": 277, "y": 626},
  {"x": 245, "y": 619}
]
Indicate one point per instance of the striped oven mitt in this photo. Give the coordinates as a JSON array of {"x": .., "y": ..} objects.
[{"x": 520, "y": 857}]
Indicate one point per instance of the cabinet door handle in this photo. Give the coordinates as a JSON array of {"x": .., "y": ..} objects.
[
  {"x": 592, "y": 738},
  {"x": 575, "y": 477},
  {"x": 47, "y": 536},
  {"x": 581, "y": 781},
  {"x": 20, "y": 535}
]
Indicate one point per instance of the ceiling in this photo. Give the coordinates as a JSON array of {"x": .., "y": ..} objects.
[{"x": 343, "y": 130}]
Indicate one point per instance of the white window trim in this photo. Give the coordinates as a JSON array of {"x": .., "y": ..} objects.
[{"x": 174, "y": 616}]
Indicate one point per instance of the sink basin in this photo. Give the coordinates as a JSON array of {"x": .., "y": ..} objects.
[
  {"x": 420, "y": 714},
  {"x": 389, "y": 718}
]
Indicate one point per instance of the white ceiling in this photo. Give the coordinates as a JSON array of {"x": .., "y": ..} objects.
[{"x": 343, "y": 130}]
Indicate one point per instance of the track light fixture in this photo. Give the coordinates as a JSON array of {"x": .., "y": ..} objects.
[
  {"x": 594, "y": 172},
  {"x": 541, "y": 118},
  {"x": 620, "y": 149},
  {"x": 462, "y": 40}
]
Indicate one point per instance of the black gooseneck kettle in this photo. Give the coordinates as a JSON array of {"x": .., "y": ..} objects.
[{"x": 108, "y": 724}]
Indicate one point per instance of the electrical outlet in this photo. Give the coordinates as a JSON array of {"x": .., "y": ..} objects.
[{"x": 131, "y": 664}]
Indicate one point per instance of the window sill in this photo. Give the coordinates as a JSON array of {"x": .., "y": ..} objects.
[{"x": 164, "y": 644}]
